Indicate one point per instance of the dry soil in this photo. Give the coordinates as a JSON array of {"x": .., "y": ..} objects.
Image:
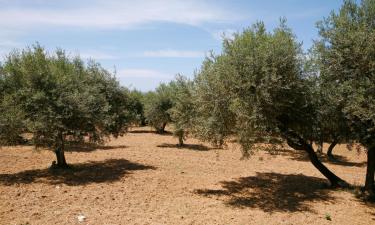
[{"x": 143, "y": 178}]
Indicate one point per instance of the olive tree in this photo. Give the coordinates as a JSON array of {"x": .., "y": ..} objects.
[
  {"x": 183, "y": 109},
  {"x": 60, "y": 99},
  {"x": 11, "y": 115},
  {"x": 331, "y": 124},
  {"x": 11, "y": 122},
  {"x": 137, "y": 103},
  {"x": 269, "y": 94},
  {"x": 213, "y": 121},
  {"x": 157, "y": 104},
  {"x": 347, "y": 51}
]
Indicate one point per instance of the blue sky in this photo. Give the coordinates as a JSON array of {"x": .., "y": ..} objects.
[{"x": 148, "y": 41}]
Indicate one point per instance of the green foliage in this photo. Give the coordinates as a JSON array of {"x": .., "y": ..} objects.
[
  {"x": 11, "y": 122},
  {"x": 328, "y": 216},
  {"x": 59, "y": 99},
  {"x": 182, "y": 112},
  {"x": 11, "y": 119},
  {"x": 157, "y": 105},
  {"x": 331, "y": 124},
  {"x": 137, "y": 106},
  {"x": 269, "y": 93},
  {"x": 347, "y": 51},
  {"x": 255, "y": 88},
  {"x": 214, "y": 120}
]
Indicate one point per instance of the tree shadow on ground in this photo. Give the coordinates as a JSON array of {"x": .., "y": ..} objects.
[
  {"x": 90, "y": 147},
  {"x": 302, "y": 156},
  {"x": 142, "y": 132},
  {"x": 167, "y": 133},
  {"x": 272, "y": 192},
  {"x": 194, "y": 147},
  {"x": 342, "y": 161},
  {"x": 106, "y": 171}
]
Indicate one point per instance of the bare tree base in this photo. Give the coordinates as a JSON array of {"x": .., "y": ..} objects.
[{"x": 55, "y": 166}]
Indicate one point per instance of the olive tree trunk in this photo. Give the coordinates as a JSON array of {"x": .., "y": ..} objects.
[
  {"x": 180, "y": 140},
  {"x": 333, "y": 179},
  {"x": 60, "y": 156},
  {"x": 60, "y": 152},
  {"x": 369, "y": 184},
  {"x": 320, "y": 145},
  {"x": 161, "y": 129},
  {"x": 297, "y": 142},
  {"x": 179, "y": 133},
  {"x": 331, "y": 147}
]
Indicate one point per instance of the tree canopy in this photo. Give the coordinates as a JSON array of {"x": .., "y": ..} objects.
[
  {"x": 59, "y": 99},
  {"x": 265, "y": 94},
  {"x": 347, "y": 53},
  {"x": 182, "y": 111},
  {"x": 157, "y": 105}
]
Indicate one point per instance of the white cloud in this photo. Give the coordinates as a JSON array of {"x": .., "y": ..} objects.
[
  {"x": 115, "y": 14},
  {"x": 9, "y": 44},
  {"x": 98, "y": 55},
  {"x": 170, "y": 53},
  {"x": 6, "y": 46},
  {"x": 141, "y": 73},
  {"x": 224, "y": 34}
]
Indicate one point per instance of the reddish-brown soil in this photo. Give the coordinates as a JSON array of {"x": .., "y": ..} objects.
[{"x": 142, "y": 178}]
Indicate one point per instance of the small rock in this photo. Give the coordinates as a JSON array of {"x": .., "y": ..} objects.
[{"x": 81, "y": 218}]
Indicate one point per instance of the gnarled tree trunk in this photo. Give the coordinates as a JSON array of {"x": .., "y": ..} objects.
[
  {"x": 331, "y": 147},
  {"x": 60, "y": 156},
  {"x": 320, "y": 145},
  {"x": 181, "y": 140},
  {"x": 161, "y": 129},
  {"x": 60, "y": 152},
  {"x": 297, "y": 142},
  {"x": 333, "y": 179},
  {"x": 369, "y": 184}
]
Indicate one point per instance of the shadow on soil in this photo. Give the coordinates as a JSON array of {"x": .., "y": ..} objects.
[
  {"x": 106, "y": 171},
  {"x": 302, "y": 156},
  {"x": 272, "y": 192},
  {"x": 87, "y": 147},
  {"x": 167, "y": 133},
  {"x": 193, "y": 147}
]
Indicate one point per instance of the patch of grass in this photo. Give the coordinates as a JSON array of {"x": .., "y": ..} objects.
[{"x": 328, "y": 217}]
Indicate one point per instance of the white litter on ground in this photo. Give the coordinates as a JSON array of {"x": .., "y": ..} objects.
[{"x": 81, "y": 218}]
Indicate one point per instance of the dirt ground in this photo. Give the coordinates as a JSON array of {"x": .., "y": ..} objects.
[{"x": 143, "y": 178}]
